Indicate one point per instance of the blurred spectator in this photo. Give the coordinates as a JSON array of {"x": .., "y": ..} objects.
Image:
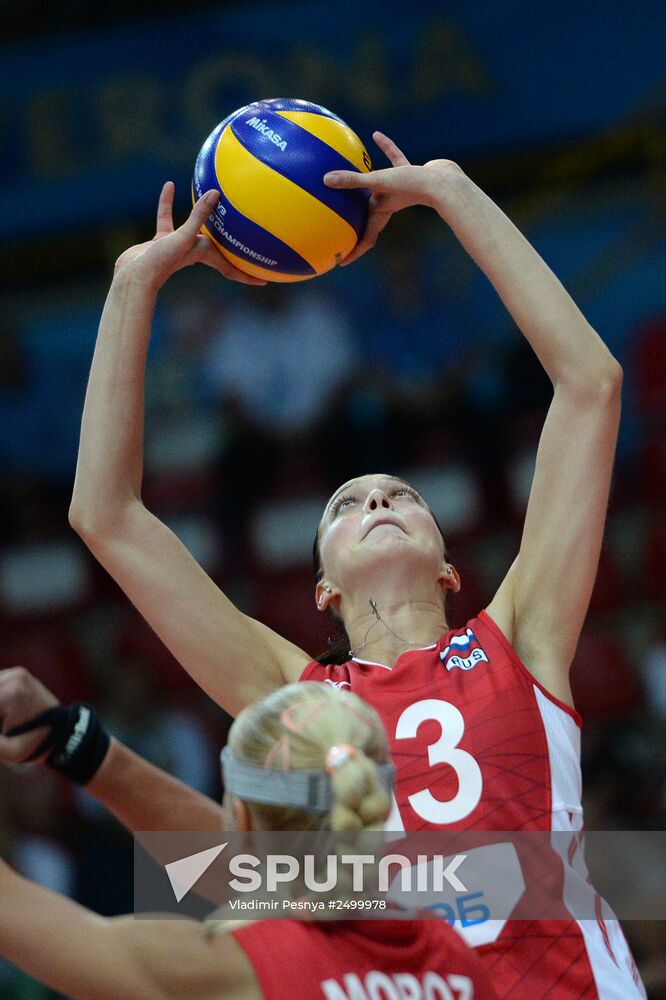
[
  {"x": 277, "y": 360},
  {"x": 275, "y": 365}
]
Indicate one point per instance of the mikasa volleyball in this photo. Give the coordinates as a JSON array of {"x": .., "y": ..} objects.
[{"x": 276, "y": 218}]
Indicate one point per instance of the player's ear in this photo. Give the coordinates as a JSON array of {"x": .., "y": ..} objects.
[
  {"x": 449, "y": 578},
  {"x": 323, "y": 595}
]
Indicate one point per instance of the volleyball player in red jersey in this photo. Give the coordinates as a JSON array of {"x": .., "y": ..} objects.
[
  {"x": 339, "y": 743},
  {"x": 481, "y": 720}
]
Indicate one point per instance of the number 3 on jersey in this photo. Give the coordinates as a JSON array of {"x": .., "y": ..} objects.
[{"x": 445, "y": 750}]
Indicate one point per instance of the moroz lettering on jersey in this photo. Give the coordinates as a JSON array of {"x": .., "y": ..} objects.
[
  {"x": 479, "y": 744},
  {"x": 362, "y": 960}
]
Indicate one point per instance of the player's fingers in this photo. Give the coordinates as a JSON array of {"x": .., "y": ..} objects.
[
  {"x": 387, "y": 181},
  {"x": 15, "y": 688},
  {"x": 200, "y": 212},
  {"x": 389, "y": 148},
  {"x": 205, "y": 252},
  {"x": 17, "y": 749},
  {"x": 374, "y": 179},
  {"x": 233, "y": 274},
  {"x": 21, "y": 692},
  {"x": 377, "y": 220},
  {"x": 165, "y": 210}
]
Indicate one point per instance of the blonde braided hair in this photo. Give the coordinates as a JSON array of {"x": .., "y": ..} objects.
[{"x": 296, "y": 728}]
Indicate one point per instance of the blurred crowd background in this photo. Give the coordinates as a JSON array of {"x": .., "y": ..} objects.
[{"x": 261, "y": 401}]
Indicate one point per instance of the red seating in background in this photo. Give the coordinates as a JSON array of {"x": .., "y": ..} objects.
[
  {"x": 650, "y": 367},
  {"x": 604, "y": 681},
  {"x": 608, "y": 590},
  {"x": 654, "y": 559},
  {"x": 652, "y": 467},
  {"x": 188, "y": 491},
  {"x": 47, "y": 650},
  {"x": 284, "y": 601},
  {"x": 137, "y": 641},
  {"x": 470, "y": 599}
]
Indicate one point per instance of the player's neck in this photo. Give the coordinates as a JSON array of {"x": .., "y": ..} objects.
[{"x": 382, "y": 632}]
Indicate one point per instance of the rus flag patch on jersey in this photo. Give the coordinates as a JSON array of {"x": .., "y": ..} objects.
[{"x": 463, "y": 651}]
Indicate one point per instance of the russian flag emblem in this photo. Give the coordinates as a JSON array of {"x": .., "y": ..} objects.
[{"x": 463, "y": 651}]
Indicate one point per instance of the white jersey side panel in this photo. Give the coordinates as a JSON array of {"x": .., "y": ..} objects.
[{"x": 613, "y": 967}]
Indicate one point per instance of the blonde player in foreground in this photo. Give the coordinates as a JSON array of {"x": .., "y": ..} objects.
[
  {"x": 480, "y": 719},
  {"x": 340, "y": 743}
]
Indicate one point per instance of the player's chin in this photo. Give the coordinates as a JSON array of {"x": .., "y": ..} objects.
[{"x": 389, "y": 544}]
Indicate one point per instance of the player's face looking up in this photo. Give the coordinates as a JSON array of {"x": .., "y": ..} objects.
[{"x": 370, "y": 521}]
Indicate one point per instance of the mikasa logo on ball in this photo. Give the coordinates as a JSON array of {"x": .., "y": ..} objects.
[{"x": 261, "y": 126}]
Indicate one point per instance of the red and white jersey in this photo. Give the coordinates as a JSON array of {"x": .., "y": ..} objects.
[
  {"x": 363, "y": 960},
  {"x": 479, "y": 744}
]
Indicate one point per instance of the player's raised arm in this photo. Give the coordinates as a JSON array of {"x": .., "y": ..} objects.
[
  {"x": 232, "y": 657},
  {"x": 543, "y": 601}
]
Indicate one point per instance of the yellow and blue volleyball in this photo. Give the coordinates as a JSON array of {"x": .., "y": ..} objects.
[{"x": 276, "y": 218}]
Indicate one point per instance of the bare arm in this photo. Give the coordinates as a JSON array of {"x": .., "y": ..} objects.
[
  {"x": 542, "y": 603},
  {"x": 89, "y": 957},
  {"x": 121, "y": 781},
  {"x": 120, "y": 785},
  {"x": 233, "y": 658}
]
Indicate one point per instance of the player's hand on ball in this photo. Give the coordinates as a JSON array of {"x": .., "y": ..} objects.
[
  {"x": 172, "y": 249},
  {"x": 22, "y": 697},
  {"x": 397, "y": 187}
]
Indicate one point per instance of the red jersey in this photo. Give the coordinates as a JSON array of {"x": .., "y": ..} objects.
[
  {"x": 362, "y": 960},
  {"x": 479, "y": 744}
]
